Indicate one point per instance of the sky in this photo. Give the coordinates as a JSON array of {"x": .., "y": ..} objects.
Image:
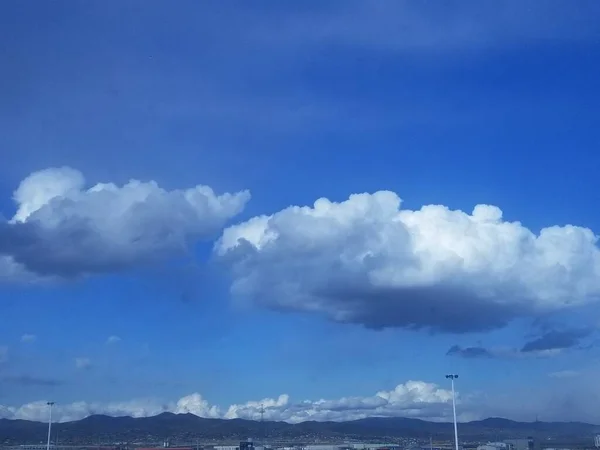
[{"x": 321, "y": 207}]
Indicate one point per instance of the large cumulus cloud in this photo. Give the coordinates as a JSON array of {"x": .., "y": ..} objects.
[
  {"x": 368, "y": 261},
  {"x": 61, "y": 228},
  {"x": 410, "y": 399}
]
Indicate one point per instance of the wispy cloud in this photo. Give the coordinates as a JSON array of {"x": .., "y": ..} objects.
[
  {"x": 469, "y": 352},
  {"x": 395, "y": 25},
  {"x": 28, "y": 338},
  {"x": 83, "y": 363},
  {"x": 3, "y": 354},
  {"x": 555, "y": 339},
  {"x": 500, "y": 352},
  {"x": 113, "y": 340},
  {"x": 27, "y": 380},
  {"x": 564, "y": 374},
  {"x": 550, "y": 343}
]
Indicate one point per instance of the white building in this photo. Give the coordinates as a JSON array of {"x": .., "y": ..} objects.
[{"x": 495, "y": 446}]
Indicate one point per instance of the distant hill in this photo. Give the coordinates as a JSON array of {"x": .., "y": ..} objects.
[{"x": 189, "y": 428}]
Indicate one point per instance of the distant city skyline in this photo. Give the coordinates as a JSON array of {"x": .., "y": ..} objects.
[{"x": 319, "y": 207}]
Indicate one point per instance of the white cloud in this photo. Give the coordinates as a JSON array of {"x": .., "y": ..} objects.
[
  {"x": 83, "y": 363},
  {"x": 564, "y": 374},
  {"x": 411, "y": 399},
  {"x": 78, "y": 410},
  {"x": 28, "y": 338},
  {"x": 414, "y": 399},
  {"x": 113, "y": 340},
  {"x": 63, "y": 229},
  {"x": 195, "y": 404},
  {"x": 367, "y": 261}
]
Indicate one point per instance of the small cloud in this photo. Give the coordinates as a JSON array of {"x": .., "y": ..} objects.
[
  {"x": 564, "y": 374},
  {"x": 551, "y": 343},
  {"x": 500, "y": 352},
  {"x": 3, "y": 354},
  {"x": 28, "y": 338},
  {"x": 556, "y": 340},
  {"x": 27, "y": 380},
  {"x": 83, "y": 363},
  {"x": 469, "y": 352},
  {"x": 113, "y": 340}
]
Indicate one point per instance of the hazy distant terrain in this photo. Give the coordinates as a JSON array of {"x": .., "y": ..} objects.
[{"x": 188, "y": 427}]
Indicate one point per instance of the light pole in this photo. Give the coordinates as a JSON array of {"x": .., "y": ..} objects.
[
  {"x": 452, "y": 378},
  {"x": 50, "y": 404}
]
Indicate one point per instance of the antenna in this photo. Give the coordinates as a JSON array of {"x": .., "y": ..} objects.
[{"x": 262, "y": 422}]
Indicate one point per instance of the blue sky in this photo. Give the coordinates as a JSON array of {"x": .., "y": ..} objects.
[{"x": 442, "y": 103}]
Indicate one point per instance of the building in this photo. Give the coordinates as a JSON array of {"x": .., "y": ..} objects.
[
  {"x": 510, "y": 444},
  {"x": 162, "y": 448},
  {"x": 247, "y": 445},
  {"x": 495, "y": 446},
  {"x": 521, "y": 444}
]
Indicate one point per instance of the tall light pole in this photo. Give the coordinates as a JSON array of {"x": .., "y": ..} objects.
[
  {"x": 50, "y": 404},
  {"x": 452, "y": 378}
]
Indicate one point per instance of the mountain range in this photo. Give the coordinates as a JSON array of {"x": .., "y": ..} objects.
[{"x": 97, "y": 429}]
